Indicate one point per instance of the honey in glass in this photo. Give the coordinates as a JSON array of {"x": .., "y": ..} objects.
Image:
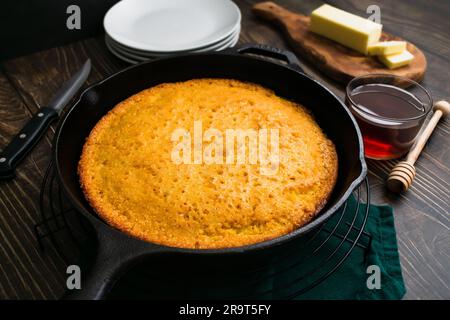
[{"x": 390, "y": 112}]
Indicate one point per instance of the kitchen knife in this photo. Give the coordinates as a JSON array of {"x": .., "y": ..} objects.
[{"x": 24, "y": 141}]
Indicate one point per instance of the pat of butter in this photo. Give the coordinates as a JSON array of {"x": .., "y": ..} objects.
[
  {"x": 397, "y": 60},
  {"x": 386, "y": 48},
  {"x": 348, "y": 29}
]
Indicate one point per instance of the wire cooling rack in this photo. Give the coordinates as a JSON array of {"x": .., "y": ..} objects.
[{"x": 288, "y": 274}]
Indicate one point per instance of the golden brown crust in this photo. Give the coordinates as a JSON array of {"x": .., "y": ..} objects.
[{"x": 127, "y": 175}]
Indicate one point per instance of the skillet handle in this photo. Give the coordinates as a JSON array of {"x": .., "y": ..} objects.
[
  {"x": 271, "y": 52},
  {"x": 114, "y": 257}
]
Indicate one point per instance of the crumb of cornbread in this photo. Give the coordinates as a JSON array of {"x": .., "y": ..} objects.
[{"x": 129, "y": 178}]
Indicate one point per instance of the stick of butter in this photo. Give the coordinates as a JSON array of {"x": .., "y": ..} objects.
[
  {"x": 397, "y": 60},
  {"x": 346, "y": 28},
  {"x": 387, "y": 48}
]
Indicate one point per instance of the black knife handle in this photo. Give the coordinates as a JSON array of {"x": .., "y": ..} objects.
[{"x": 24, "y": 141}]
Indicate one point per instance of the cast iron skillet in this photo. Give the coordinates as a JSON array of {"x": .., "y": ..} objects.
[{"x": 117, "y": 252}]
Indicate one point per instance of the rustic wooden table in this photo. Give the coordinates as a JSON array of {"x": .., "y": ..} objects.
[{"x": 422, "y": 214}]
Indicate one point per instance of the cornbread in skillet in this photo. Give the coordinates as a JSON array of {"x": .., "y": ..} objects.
[{"x": 129, "y": 178}]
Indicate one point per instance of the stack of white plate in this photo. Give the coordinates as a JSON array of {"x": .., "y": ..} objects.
[{"x": 139, "y": 30}]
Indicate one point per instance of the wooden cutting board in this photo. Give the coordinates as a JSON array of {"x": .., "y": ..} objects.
[{"x": 335, "y": 60}]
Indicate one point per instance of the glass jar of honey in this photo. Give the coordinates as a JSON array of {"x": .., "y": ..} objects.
[{"x": 390, "y": 111}]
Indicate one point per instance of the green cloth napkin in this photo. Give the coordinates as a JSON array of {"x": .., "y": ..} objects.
[{"x": 350, "y": 280}]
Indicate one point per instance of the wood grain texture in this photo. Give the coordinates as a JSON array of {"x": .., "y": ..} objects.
[
  {"x": 422, "y": 213},
  {"x": 24, "y": 271},
  {"x": 336, "y": 61}
]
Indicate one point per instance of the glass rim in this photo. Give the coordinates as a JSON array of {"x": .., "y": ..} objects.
[{"x": 428, "y": 107}]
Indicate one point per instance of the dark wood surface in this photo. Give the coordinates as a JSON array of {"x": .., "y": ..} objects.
[{"x": 422, "y": 214}]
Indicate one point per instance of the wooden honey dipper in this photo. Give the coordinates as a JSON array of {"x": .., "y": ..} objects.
[{"x": 402, "y": 175}]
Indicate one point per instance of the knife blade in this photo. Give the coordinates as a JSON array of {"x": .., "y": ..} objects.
[{"x": 31, "y": 133}]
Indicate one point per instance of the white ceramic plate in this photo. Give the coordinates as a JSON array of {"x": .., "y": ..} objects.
[
  {"x": 217, "y": 44},
  {"x": 231, "y": 40},
  {"x": 120, "y": 55},
  {"x": 134, "y": 58},
  {"x": 171, "y": 25},
  {"x": 134, "y": 55}
]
